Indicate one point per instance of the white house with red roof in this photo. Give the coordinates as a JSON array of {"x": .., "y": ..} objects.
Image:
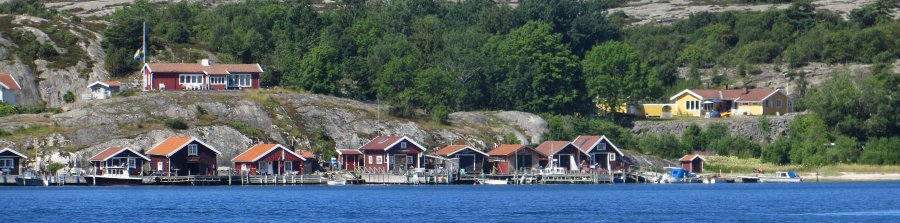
[
  {"x": 104, "y": 89},
  {"x": 392, "y": 153},
  {"x": 200, "y": 76},
  {"x": 8, "y": 88}
]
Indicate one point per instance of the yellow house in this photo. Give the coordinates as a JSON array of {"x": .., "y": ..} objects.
[
  {"x": 745, "y": 101},
  {"x": 646, "y": 110}
]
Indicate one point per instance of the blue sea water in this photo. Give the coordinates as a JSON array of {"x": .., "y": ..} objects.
[{"x": 804, "y": 202}]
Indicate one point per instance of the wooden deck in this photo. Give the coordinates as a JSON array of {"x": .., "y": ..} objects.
[{"x": 281, "y": 179}]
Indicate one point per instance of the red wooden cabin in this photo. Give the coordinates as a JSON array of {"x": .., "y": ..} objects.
[
  {"x": 692, "y": 163},
  {"x": 392, "y": 153},
  {"x": 562, "y": 154},
  {"x": 200, "y": 76},
  {"x": 183, "y": 156},
  {"x": 470, "y": 159},
  {"x": 509, "y": 158},
  {"x": 603, "y": 153},
  {"x": 268, "y": 159},
  {"x": 118, "y": 160},
  {"x": 349, "y": 159},
  {"x": 11, "y": 161}
]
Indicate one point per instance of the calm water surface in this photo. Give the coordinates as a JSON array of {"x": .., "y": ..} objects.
[{"x": 808, "y": 202}]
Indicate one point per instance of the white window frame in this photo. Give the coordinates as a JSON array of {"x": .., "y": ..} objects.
[
  {"x": 403, "y": 145},
  {"x": 7, "y": 163},
  {"x": 244, "y": 167},
  {"x": 612, "y": 157},
  {"x": 379, "y": 160},
  {"x": 288, "y": 166},
  {"x": 159, "y": 166},
  {"x": 217, "y": 80},
  {"x": 601, "y": 146},
  {"x": 243, "y": 80},
  {"x": 370, "y": 159},
  {"x": 190, "y": 79},
  {"x": 132, "y": 162},
  {"x": 192, "y": 150}
]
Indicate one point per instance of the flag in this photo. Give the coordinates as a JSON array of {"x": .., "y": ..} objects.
[{"x": 138, "y": 53}]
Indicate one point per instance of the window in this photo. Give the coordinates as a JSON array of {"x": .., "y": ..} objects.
[
  {"x": 612, "y": 157},
  {"x": 6, "y": 163},
  {"x": 241, "y": 80},
  {"x": 159, "y": 166},
  {"x": 217, "y": 80},
  {"x": 767, "y": 103},
  {"x": 409, "y": 160},
  {"x": 601, "y": 147},
  {"x": 778, "y": 103},
  {"x": 370, "y": 160},
  {"x": 288, "y": 166},
  {"x": 190, "y": 79},
  {"x": 379, "y": 160},
  {"x": 243, "y": 167},
  {"x": 116, "y": 162},
  {"x": 192, "y": 150},
  {"x": 692, "y": 105},
  {"x": 403, "y": 145},
  {"x": 131, "y": 162}
]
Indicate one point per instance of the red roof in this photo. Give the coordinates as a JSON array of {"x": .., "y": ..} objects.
[
  {"x": 173, "y": 144},
  {"x": 549, "y": 148},
  {"x": 383, "y": 143},
  {"x": 307, "y": 155},
  {"x": 212, "y": 69},
  {"x": 505, "y": 149},
  {"x": 9, "y": 82},
  {"x": 260, "y": 150},
  {"x": 112, "y": 151},
  {"x": 743, "y": 94},
  {"x": 584, "y": 143},
  {"x": 690, "y": 157}
]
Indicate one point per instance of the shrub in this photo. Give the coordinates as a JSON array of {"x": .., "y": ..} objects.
[
  {"x": 175, "y": 123},
  {"x": 7, "y": 109},
  {"x": 127, "y": 92},
  {"x": 53, "y": 167},
  {"x": 69, "y": 97},
  {"x": 247, "y": 130}
]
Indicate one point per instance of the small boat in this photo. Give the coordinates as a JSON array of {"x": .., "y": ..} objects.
[
  {"x": 29, "y": 179},
  {"x": 717, "y": 180},
  {"x": 336, "y": 182},
  {"x": 113, "y": 180},
  {"x": 679, "y": 175},
  {"x": 781, "y": 177},
  {"x": 494, "y": 182}
]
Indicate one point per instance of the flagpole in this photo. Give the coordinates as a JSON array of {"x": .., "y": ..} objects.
[{"x": 144, "y": 46}]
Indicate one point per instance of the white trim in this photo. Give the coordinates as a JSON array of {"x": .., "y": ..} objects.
[
  {"x": 117, "y": 153},
  {"x": 13, "y": 151},
  {"x": 467, "y": 147},
  {"x": 386, "y": 148},
  {"x": 260, "y": 68},
  {"x": 686, "y": 91},
  {"x": 98, "y": 82},
  {"x": 191, "y": 77},
  {"x": 602, "y": 138},
  {"x": 770, "y": 95},
  {"x": 224, "y": 80},
  {"x": 267, "y": 152},
  {"x": 185, "y": 144},
  {"x": 340, "y": 153},
  {"x": 563, "y": 147},
  {"x": 14, "y": 82}
]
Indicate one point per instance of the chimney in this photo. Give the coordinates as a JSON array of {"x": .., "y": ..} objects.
[
  {"x": 746, "y": 90},
  {"x": 205, "y": 62}
]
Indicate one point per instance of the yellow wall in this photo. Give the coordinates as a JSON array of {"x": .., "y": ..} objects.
[
  {"x": 656, "y": 110},
  {"x": 773, "y": 108},
  {"x": 680, "y": 108}
]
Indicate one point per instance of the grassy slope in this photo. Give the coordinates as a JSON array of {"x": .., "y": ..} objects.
[{"x": 728, "y": 164}]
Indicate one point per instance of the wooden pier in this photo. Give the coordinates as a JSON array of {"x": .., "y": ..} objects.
[{"x": 281, "y": 179}]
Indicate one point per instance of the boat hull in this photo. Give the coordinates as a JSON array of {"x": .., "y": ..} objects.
[
  {"x": 113, "y": 181},
  {"x": 31, "y": 182},
  {"x": 780, "y": 180},
  {"x": 495, "y": 182}
]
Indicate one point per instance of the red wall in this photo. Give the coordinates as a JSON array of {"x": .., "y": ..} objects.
[
  {"x": 411, "y": 150},
  {"x": 349, "y": 162},
  {"x": 171, "y": 82},
  {"x": 180, "y": 160}
]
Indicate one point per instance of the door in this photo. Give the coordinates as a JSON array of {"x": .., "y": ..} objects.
[
  {"x": 524, "y": 161},
  {"x": 565, "y": 161},
  {"x": 399, "y": 162},
  {"x": 467, "y": 162},
  {"x": 599, "y": 160}
]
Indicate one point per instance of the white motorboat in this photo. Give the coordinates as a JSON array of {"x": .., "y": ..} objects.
[
  {"x": 336, "y": 182},
  {"x": 494, "y": 182},
  {"x": 781, "y": 177}
]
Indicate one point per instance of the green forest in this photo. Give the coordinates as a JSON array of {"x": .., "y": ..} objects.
[{"x": 557, "y": 58}]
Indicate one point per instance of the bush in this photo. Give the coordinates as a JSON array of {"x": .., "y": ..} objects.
[
  {"x": 7, "y": 109},
  {"x": 128, "y": 92},
  {"x": 176, "y": 123},
  {"x": 53, "y": 167},
  {"x": 69, "y": 97},
  {"x": 248, "y": 130}
]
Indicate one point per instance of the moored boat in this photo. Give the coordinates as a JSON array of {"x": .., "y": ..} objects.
[
  {"x": 336, "y": 182},
  {"x": 494, "y": 182},
  {"x": 781, "y": 177},
  {"x": 680, "y": 175}
]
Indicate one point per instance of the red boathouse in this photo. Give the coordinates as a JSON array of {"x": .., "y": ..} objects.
[
  {"x": 514, "y": 158},
  {"x": 564, "y": 155},
  {"x": 392, "y": 153},
  {"x": 692, "y": 163},
  {"x": 183, "y": 156},
  {"x": 268, "y": 159},
  {"x": 471, "y": 160},
  {"x": 349, "y": 159},
  {"x": 200, "y": 76},
  {"x": 119, "y": 160},
  {"x": 603, "y": 153}
]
